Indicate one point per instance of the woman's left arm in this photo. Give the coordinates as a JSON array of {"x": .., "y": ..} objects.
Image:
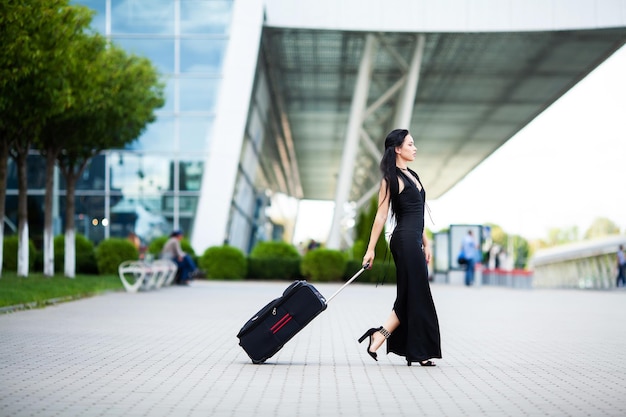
[{"x": 426, "y": 247}]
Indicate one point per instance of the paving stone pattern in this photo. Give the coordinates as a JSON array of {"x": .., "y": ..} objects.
[{"x": 174, "y": 352}]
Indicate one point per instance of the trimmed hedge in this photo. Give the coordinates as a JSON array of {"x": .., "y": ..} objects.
[
  {"x": 111, "y": 252},
  {"x": 274, "y": 268},
  {"x": 274, "y": 260},
  {"x": 274, "y": 249},
  {"x": 323, "y": 265},
  {"x": 9, "y": 254},
  {"x": 85, "y": 255},
  {"x": 224, "y": 262},
  {"x": 381, "y": 272}
]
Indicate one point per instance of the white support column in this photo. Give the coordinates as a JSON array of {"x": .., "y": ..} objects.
[
  {"x": 407, "y": 96},
  {"x": 344, "y": 180},
  {"x": 218, "y": 181},
  {"x": 371, "y": 146},
  {"x": 365, "y": 198}
]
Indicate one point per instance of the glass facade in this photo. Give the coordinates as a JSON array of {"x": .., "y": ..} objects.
[
  {"x": 152, "y": 186},
  {"x": 260, "y": 174}
]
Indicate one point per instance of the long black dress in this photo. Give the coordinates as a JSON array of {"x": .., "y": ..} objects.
[{"x": 417, "y": 337}]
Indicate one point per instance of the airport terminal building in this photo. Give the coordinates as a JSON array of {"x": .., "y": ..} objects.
[{"x": 269, "y": 102}]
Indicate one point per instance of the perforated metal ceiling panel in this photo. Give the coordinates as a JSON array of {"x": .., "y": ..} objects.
[{"x": 475, "y": 91}]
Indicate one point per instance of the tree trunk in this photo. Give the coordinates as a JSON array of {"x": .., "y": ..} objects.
[
  {"x": 48, "y": 233},
  {"x": 70, "y": 238},
  {"x": 4, "y": 158},
  {"x": 22, "y": 210},
  {"x": 70, "y": 253},
  {"x": 71, "y": 170}
]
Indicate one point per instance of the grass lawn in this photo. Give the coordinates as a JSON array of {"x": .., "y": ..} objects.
[{"x": 36, "y": 290}]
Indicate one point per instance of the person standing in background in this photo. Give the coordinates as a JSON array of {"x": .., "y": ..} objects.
[{"x": 470, "y": 251}]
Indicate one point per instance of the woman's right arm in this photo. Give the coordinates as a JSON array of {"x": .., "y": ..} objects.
[{"x": 379, "y": 223}]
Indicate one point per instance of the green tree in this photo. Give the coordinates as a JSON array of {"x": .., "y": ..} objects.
[
  {"x": 557, "y": 236},
  {"x": 601, "y": 227},
  {"x": 498, "y": 235},
  {"x": 516, "y": 246},
  {"x": 521, "y": 251},
  {"x": 34, "y": 39},
  {"x": 86, "y": 99},
  {"x": 125, "y": 90},
  {"x": 363, "y": 228}
]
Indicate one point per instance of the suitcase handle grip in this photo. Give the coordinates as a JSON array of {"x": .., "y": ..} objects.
[{"x": 363, "y": 268}]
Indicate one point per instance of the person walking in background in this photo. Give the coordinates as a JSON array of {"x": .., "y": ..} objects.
[
  {"x": 621, "y": 266},
  {"x": 412, "y": 329},
  {"x": 469, "y": 248},
  {"x": 173, "y": 251}
]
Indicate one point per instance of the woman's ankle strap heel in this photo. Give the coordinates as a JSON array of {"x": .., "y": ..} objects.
[{"x": 384, "y": 332}]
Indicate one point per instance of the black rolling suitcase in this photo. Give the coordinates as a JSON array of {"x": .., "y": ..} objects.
[{"x": 282, "y": 318}]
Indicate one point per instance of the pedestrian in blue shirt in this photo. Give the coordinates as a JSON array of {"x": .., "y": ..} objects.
[{"x": 470, "y": 253}]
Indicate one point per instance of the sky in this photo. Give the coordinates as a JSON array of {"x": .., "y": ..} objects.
[{"x": 566, "y": 168}]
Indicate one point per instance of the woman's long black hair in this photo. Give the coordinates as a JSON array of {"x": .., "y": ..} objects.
[{"x": 394, "y": 139}]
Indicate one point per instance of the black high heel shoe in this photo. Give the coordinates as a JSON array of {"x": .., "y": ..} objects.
[
  {"x": 369, "y": 334},
  {"x": 422, "y": 363}
]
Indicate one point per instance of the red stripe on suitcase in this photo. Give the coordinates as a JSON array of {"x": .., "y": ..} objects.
[
  {"x": 281, "y": 326},
  {"x": 280, "y": 323}
]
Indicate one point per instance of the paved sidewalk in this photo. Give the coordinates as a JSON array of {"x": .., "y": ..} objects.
[{"x": 173, "y": 352}]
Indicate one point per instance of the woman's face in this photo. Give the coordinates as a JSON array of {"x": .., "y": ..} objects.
[{"x": 407, "y": 150}]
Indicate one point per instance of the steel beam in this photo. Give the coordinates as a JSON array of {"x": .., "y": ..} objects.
[{"x": 359, "y": 102}]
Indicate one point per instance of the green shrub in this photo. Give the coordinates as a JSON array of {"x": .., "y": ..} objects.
[
  {"x": 274, "y": 268},
  {"x": 274, "y": 250},
  {"x": 358, "y": 250},
  {"x": 38, "y": 261},
  {"x": 323, "y": 265},
  {"x": 111, "y": 252},
  {"x": 9, "y": 257},
  {"x": 274, "y": 260},
  {"x": 85, "y": 255},
  {"x": 383, "y": 271},
  {"x": 156, "y": 245},
  {"x": 223, "y": 262}
]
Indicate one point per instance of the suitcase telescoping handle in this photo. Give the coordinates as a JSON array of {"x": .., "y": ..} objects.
[{"x": 363, "y": 268}]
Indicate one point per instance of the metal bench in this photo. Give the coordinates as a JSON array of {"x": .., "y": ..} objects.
[{"x": 140, "y": 275}]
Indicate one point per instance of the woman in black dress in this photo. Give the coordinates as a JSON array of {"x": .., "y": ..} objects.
[{"x": 412, "y": 329}]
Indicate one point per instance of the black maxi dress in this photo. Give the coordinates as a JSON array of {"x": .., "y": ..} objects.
[{"x": 417, "y": 337}]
